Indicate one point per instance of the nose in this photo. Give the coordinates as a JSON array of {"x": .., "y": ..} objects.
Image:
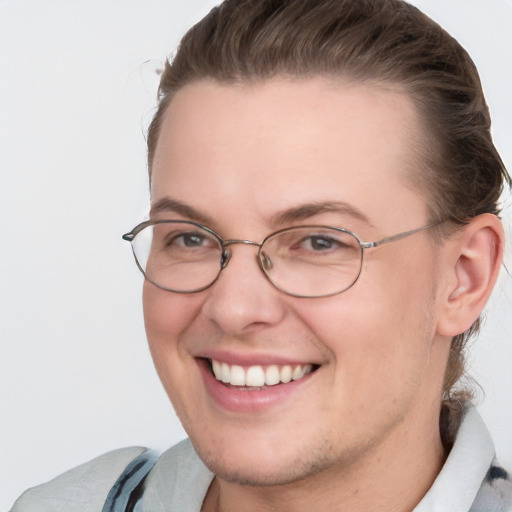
[{"x": 242, "y": 299}]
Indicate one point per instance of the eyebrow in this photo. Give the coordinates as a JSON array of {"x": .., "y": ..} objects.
[
  {"x": 167, "y": 204},
  {"x": 305, "y": 211},
  {"x": 282, "y": 218}
]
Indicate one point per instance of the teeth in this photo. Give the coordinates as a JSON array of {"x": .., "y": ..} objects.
[
  {"x": 257, "y": 376},
  {"x": 225, "y": 374},
  {"x": 237, "y": 376},
  {"x": 286, "y": 374},
  {"x": 216, "y": 369},
  {"x": 298, "y": 373},
  {"x": 272, "y": 376}
]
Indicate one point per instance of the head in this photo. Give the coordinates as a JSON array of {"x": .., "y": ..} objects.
[
  {"x": 387, "y": 41},
  {"x": 381, "y": 57}
]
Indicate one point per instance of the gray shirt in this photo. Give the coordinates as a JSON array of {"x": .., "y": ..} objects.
[{"x": 469, "y": 481}]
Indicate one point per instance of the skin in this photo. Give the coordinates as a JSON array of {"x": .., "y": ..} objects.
[{"x": 362, "y": 431}]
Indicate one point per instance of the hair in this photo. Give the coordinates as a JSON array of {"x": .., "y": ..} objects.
[{"x": 375, "y": 41}]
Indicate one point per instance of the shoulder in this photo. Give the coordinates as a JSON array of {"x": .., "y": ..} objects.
[
  {"x": 81, "y": 489},
  {"x": 178, "y": 481},
  {"x": 495, "y": 494}
]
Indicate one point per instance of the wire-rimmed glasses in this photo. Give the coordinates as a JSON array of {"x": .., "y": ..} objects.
[{"x": 302, "y": 261}]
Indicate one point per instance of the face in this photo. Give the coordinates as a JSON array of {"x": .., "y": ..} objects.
[{"x": 247, "y": 160}]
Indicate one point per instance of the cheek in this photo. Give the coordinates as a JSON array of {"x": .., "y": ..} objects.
[
  {"x": 379, "y": 332},
  {"x": 166, "y": 316},
  {"x": 380, "y": 361}
]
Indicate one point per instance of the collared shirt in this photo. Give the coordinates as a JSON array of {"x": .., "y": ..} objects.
[{"x": 470, "y": 481}]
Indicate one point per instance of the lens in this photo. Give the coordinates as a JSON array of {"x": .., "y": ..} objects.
[
  {"x": 178, "y": 256},
  {"x": 312, "y": 261},
  {"x": 305, "y": 261}
]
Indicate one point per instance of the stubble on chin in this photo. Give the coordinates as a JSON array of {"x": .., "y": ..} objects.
[{"x": 306, "y": 465}]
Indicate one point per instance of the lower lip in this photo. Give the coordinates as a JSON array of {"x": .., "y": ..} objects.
[{"x": 237, "y": 400}]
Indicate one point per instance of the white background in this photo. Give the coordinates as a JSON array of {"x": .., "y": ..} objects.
[{"x": 77, "y": 89}]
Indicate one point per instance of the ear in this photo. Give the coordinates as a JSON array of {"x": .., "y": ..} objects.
[{"x": 473, "y": 266}]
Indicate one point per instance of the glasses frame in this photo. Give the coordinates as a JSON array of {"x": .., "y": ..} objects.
[{"x": 226, "y": 253}]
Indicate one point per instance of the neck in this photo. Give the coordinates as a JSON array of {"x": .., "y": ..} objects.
[{"x": 393, "y": 476}]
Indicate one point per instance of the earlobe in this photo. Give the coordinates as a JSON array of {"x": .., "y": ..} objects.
[{"x": 474, "y": 268}]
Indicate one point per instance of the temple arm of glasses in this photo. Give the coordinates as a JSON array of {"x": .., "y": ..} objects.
[{"x": 399, "y": 236}]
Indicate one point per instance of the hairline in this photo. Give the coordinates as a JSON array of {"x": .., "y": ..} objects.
[{"x": 419, "y": 163}]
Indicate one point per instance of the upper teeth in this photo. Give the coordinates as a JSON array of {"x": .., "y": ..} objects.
[{"x": 258, "y": 376}]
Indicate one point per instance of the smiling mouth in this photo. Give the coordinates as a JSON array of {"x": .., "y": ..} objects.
[{"x": 255, "y": 378}]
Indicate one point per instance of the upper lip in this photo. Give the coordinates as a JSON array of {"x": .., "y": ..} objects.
[{"x": 254, "y": 359}]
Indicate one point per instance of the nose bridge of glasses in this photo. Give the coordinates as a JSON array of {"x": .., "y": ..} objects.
[
  {"x": 226, "y": 252},
  {"x": 246, "y": 242}
]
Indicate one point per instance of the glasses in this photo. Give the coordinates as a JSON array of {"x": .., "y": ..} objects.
[{"x": 302, "y": 261}]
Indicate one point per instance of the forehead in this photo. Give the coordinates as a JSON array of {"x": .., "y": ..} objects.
[{"x": 282, "y": 143}]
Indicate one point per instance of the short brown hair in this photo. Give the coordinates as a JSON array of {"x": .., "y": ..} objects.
[{"x": 387, "y": 41}]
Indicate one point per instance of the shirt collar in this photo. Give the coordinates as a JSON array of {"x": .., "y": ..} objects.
[{"x": 457, "y": 485}]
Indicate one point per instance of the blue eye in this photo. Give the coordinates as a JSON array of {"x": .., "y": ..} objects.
[
  {"x": 320, "y": 243},
  {"x": 191, "y": 239},
  {"x": 188, "y": 240}
]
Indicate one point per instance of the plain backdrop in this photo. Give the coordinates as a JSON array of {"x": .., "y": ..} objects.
[{"x": 78, "y": 86}]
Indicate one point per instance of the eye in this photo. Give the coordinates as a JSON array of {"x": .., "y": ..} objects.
[
  {"x": 190, "y": 240},
  {"x": 306, "y": 243},
  {"x": 319, "y": 243},
  {"x": 323, "y": 243}
]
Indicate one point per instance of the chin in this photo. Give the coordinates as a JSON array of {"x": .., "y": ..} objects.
[
  {"x": 265, "y": 466},
  {"x": 258, "y": 474}
]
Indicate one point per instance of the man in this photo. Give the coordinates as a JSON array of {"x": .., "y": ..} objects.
[{"x": 323, "y": 237}]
